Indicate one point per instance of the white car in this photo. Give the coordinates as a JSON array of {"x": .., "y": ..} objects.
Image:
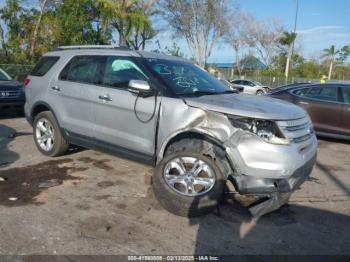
[{"x": 250, "y": 87}]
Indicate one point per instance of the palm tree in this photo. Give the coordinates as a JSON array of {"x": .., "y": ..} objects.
[
  {"x": 129, "y": 19},
  {"x": 288, "y": 39},
  {"x": 329, "y": 54}
]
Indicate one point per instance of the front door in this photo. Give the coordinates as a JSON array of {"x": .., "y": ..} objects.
[{"x": 123, "y": 119}]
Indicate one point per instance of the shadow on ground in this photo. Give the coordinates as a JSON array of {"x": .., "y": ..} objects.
[
  {"x": 7, "y": 156},
  {"x": 322, "y": 139},
  {"x": 292, "y": 229}
]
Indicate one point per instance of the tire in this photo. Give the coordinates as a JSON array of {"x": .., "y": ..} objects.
[
  {"x": 59, "y": 145},
  {"x": 185, "y": 205},
  {"x": 260, "y": 92}
]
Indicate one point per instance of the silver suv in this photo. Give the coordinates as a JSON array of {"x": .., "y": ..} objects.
[{"x": 172, "y": 114}]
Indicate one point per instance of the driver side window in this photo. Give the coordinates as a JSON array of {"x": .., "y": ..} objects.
[{"x": 120, "y": 70}]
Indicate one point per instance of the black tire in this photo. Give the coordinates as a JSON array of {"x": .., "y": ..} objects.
[
  {"x": 182, "y": 205},
  {"x": 260, "y": 92},
  {"x": 60, "y": 145}
]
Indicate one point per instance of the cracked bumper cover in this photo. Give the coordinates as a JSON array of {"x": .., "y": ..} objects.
[{"x": 271, "y": 172}]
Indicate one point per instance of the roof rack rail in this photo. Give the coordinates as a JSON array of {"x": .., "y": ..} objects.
[{"x": 74, "y": 47}]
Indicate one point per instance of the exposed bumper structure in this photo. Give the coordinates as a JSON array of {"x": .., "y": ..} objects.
[{"x": 270, "y": 172}]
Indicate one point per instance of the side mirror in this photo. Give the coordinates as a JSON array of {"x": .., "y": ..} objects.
[{"x": 139, "y": 86}]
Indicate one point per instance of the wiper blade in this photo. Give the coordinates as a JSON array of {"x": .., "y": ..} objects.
[{"x": 198, "y": 93}]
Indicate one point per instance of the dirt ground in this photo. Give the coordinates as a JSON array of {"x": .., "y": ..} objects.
[{"x": 87, "y": 202}]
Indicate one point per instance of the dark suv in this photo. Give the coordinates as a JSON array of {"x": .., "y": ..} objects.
[{"x": 12, "y": 96}]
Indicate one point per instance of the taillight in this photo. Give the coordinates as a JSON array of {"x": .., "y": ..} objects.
[{"x": 26, "y": 82}]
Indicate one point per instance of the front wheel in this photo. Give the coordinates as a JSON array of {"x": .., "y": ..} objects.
[
  {"x": 260, "y": 92},
  {"x": 188, "y": 184}
]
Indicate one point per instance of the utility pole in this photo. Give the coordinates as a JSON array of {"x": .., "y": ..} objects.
[{"x": 295, "y": 26}]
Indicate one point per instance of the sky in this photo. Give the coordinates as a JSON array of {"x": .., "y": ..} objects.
[{"x": 321, "y": 23}]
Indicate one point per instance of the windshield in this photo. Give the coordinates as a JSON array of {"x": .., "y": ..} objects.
[
  {"x": 4, "y": 76},
  {"x": 257, "y": 83},
  {"x": 186, "y": 79}
]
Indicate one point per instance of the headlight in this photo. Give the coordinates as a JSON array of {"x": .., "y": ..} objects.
[{"x": 267, "y": 130}]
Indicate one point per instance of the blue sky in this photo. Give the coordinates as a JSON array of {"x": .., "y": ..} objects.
[{"x": 321, "y": 23}]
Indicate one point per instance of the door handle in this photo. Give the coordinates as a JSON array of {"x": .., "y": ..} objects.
[
  {"x": 348, "y": 108},
  {"x": 106, "y": 98},
  {"x": 303, "y": 103},
  {"x": 56, "y": 88}
]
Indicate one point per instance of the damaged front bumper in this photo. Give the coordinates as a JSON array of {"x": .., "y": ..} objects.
[
  {"x": 274, "y": 193},
  {"x": 270, "y": 173}
]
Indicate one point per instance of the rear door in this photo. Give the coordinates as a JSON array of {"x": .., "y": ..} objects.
[
  {"x": 344, "y": 126},
  {"x": 73, "y": 90},
  {"x": 321, "y": 102},
  {"x": 124, "y": 120}
]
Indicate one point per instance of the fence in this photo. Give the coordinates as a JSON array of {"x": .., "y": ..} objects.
[
  {"x": 17, "y": 71},
  {"x": 270, "y": 81}
]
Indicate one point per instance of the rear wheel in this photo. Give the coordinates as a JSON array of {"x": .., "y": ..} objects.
[{"x": 47, "y": 135}]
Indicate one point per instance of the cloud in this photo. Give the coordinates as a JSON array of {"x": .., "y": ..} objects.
[
  {"x": 318, "y": 29},
  {"x": 324, "y": 33}
]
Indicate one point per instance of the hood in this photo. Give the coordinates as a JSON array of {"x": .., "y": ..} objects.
[
  {"x": 248, "y": 105},
  {"x": 8, "y": 85}
]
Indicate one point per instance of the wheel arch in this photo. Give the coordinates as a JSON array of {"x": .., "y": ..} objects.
[
  {"x": 195, "y": 134},
  {"x": 39, "y": 107}
]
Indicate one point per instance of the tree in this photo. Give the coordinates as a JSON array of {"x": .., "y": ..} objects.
[
  {"x": 131, "y": 20},
  {"x": 236, "y": 32},
  {"x": 2, "y": 41},
  {"x": 18, "y": 21},
  {"x": 265, "y": 37},
  {"x": 288, "y": 39},
  {"x": 174, "y": 50},
  {"x": 199, "y": 22},
  {"x": 344, "y": 54},
  {"x": 37, "y": 26},
  {"x": 77, "y": 22},
  {"x": 329, "y": 54}
]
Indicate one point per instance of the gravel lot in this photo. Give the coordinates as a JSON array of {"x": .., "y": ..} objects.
[{"x": 88, "y": 202}]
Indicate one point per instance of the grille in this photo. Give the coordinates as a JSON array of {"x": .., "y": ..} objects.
[
  {"x": 9, "y": 93},
  {"x": 297, "y": 130}
]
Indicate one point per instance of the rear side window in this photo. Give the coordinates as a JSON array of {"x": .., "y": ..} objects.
[
  {"x": 83, "y": 69},
  {"x": 328, "y": 93},
  {"x": 44, "y": 65}
]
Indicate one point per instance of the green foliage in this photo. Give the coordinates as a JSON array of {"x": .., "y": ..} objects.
[
  {"x": 288, "y": 38},
  {"x": 77, "y": 22},
  {"x": 130, "y": 19},
  {"x": 69, "y": 22}
]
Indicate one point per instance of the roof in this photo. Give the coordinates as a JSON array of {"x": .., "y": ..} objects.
[{"x": 111, "y": 50}]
